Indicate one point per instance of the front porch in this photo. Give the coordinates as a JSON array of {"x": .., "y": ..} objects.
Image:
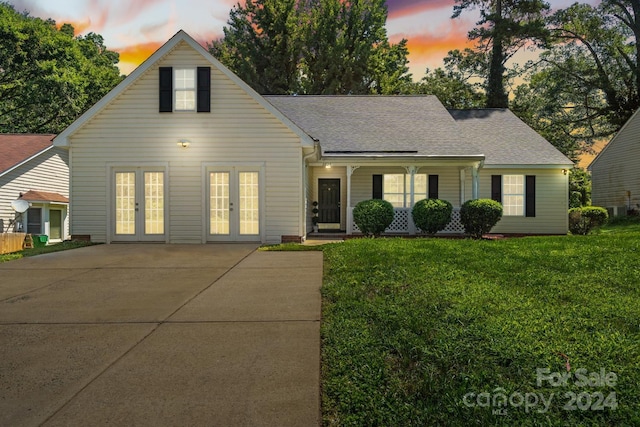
[{"x": 337, "y": 189}]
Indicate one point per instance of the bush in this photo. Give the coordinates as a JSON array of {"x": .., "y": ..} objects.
[
  {"x": 432, "y": 215},
  {"x": 583, "y": 220},
  {"x": 373, "y": 216},
  {"x": 479, "y": 216}
]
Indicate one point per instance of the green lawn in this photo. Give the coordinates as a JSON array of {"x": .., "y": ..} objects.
[
  {"x": 66, "y": 245},
  {"x": 435, "y": 331}
]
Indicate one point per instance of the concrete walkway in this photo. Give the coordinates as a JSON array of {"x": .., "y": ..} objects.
[{"x": 161, "y": 335}]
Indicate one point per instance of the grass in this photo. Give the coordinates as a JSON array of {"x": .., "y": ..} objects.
[
  {"x": 63, "y": 246},
  {"x": 410, "y": 327}
]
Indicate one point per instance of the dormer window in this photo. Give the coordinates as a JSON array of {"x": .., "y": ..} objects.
[{"x": 185, "y": 89}]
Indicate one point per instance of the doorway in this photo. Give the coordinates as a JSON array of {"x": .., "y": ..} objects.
[
  {"x": 139, "y": 205},
  {"x": 329, "y": 203},
  {"x": 234, "y": 204}
]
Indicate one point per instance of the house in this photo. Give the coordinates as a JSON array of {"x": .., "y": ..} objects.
[
  {"x": 183, "y": 151},
  {"x": 615, "y": 172},
  {"x": 33, "y": 169}
]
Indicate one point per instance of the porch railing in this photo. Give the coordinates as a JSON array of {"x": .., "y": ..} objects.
[{"x": 403, "y": 223}]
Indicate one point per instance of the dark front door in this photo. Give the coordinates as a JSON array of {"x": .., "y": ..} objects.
[{"x": 329, "y": 201}]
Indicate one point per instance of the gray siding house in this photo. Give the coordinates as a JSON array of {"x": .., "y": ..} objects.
[{"x": 615, "y": 172}]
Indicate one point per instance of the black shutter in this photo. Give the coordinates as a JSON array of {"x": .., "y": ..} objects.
[
  {"x": 204, "y": 89},
  {"x": 166, "y": 89},
  {"x": 530, "y": 196},
  {"x": 496, "y": 188},
  {"x": 377, "y": 187},
  {"x": 433, "y": 186}
]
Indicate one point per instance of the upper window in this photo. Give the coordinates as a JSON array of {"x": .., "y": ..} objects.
[
  {"x": 396, "y": 189},
  {"x": 185, "y": 89},
  {"x": 513, "y": 194}
]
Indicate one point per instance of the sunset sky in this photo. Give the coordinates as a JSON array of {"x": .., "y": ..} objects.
[{"x": 136, "y": 28}]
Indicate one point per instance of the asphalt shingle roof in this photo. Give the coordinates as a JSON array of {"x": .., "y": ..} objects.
[
  {"x": 505, "y": 139},
  {"x": 415, "y": 126},
  {"x": 401, "y": 125},
  {"x": 44, "y": 196},
  {"x": 16, "y": 148}
]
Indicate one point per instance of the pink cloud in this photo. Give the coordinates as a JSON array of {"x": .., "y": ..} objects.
[
  {"x": 430, "y": 48},
  {"x": 401, "y": 8}
]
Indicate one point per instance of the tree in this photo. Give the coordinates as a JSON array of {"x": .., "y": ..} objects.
[
  {"x": 579, "y": 188},
  {"x": 505, "y": 27},
  {"x": 48, "y": 77},
  {"x": 262, "y": 44},
  {"x": 451, "y": 88},
  {"x": 313, "y": 47},
  {"x": 587, "y": 82},
  {"x": 341, "y": 45}
]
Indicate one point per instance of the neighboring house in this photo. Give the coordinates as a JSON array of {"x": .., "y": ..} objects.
[
  {"x": 183, "y": 151},
  {"x": 615, "y": 172},
  {"x": 33, "y": 169}
]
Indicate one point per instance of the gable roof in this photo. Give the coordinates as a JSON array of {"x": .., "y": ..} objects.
[
  {"x": 505, "y": 139},
  {"x": 16, "y": 149},
  {"x": 181, "y": 36},
  {"x": 44, "y": 196},
  {"x": 613, "y": 140},
  {"x": 376, "y": 126}
]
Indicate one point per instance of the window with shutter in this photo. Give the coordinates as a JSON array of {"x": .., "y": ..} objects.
[{"x": 185, "y": 89}]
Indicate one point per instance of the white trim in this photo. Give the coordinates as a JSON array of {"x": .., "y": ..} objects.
[
  {"x": 16, "y": 166},
  {"x": 518, "y": 166},
  {"x": 62, "y": 140}
]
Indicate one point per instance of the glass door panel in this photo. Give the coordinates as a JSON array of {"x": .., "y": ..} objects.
[
  {"x": 154, "y": 203},
  {"x": 219, "y": 203},
  {"x": 125, "y": 203},
  {"x": 249, "y": 214}
]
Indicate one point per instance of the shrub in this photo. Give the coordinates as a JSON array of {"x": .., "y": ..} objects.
[
  {"x": 373, "y": 216},
  {"x": 583, "y": 220},
  {"x": 479, "y": 216},
  {"x": 432, "y": 215}
]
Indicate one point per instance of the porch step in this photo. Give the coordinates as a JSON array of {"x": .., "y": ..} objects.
[{"x": 326, "y": 236}]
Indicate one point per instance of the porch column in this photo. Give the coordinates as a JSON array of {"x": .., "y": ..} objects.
[
  {"x": 463, "y": 177},
  {"x": 350, "y": 170},
  {"x": 411, "y": 170},
  {"x": 475, "y": 186}
]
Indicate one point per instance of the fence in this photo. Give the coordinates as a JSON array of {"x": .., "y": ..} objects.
[{"x": 11, "y": 242}]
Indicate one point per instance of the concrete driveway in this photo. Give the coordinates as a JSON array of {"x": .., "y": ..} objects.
[{"x": 161, "y": 335}]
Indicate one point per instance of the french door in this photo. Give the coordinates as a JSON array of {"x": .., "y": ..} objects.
[
  {"x": 139, "y": 204},
  {"x": 234, "y": 204}
]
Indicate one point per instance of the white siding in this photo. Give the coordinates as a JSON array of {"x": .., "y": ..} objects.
[
  {"x": 617, "y": 169},
  {"x": 448, "y": 182},
  {"x": 551, "y": 194},
  {"x": 552, "y": 200},
  {"x": 47, "y": 172},
  {"x": 130, "y": 131}
]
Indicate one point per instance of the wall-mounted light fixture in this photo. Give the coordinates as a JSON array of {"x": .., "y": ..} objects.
[
  {"x": 184, "y": 143},
  {"x": 565, "y": 171},
  {"x": 327, "y": 165}
]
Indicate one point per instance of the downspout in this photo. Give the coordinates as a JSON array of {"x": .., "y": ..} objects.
[{"x": 303, "y": 193}]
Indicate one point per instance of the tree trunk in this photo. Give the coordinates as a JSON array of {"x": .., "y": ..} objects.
[{"x": 496, "y": 96}]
